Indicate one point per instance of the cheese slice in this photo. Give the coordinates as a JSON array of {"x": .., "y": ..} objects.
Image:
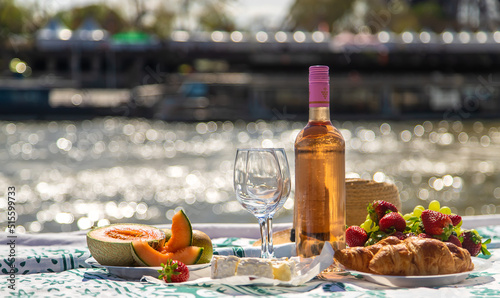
[
  {"x": 226, "y": 266},
  {"x": 223, "y": 266},
  {"x": 255, "y": 267},
  {"x": 284, "y": 270}
]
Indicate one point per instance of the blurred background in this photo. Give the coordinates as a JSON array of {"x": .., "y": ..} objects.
[{"x": 125, "y": 111}]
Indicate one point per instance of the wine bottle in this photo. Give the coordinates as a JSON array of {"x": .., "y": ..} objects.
[{"x": 320, "y": 204}]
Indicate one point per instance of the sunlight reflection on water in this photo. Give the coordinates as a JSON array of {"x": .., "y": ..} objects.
[{"x": 70, "y": 175}]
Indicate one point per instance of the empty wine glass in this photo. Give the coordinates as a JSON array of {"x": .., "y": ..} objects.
[{"x": 259, "y": 184}]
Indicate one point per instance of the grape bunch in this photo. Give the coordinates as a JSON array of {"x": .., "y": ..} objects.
[
  {"x": 438, "y": 222},
  {"x": 414, "y": 220}
]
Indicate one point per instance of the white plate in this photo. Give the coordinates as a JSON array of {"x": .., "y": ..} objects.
[
  {"x": 424, "y": 280},
  {"x": 195, "y": 271}
]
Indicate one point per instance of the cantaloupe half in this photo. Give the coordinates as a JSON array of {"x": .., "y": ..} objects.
[
  {"x": 182, "y": 233},
  {"x": 145, "y": 255},
  {"x": 110, "y": 245}
]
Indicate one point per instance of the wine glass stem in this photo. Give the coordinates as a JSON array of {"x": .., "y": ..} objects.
[
  {"x": 263, "y": 238},
  {"x": 270, "y": 247}
]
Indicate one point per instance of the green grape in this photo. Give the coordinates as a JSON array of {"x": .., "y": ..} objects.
[
  {"x": 369, "y": 226},
  {"x": 434, "y": 205},
  {"x": 417, "y": 212},
  {"x": 445, "y": 210},
  {"x": 366, "y": 225},
  {"x": 407, "y": 216},
  {"x": 419, "y": 207}
]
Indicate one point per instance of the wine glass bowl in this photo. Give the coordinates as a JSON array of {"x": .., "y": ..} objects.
[{"x": 261, "y": 182}]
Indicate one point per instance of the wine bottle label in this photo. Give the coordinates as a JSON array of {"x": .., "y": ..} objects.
[
  {"x": 319, "y": 86},
  {"x": 319, "y": 95}
]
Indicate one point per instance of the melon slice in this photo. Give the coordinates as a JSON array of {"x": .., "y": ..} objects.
[
  {"x": 200, "y": 239},
  {"x": 182, "y": 233},
  {"x": 110, "y": 245},
  {"x": 145, "y": 255}
]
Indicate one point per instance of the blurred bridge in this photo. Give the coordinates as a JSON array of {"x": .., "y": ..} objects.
[
  {"x": 90, "y": 57},
  {"x": 383, "y": 74}
]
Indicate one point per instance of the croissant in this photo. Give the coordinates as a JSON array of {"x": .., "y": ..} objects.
[
  {"x": 413, "y": 256},
  {"x": 357, "y": 257}
]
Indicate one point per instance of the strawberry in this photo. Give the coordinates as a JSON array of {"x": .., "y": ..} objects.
[
  {"x": 437, "y": 224},
  {"x": 378, "y": 209},
  {"x": 355, "y": 236},
  {"x": 392, "y": 221},
  {"x": 472, "y": 242},
  {"x": 174, "y": 271},
  {"x": 455, "y": 219},
  {"x": 454, "y": 239},
  {"x": 400, "y": 235}
]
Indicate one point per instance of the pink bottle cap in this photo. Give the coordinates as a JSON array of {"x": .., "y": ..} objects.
[
  {"x": 319, "y": 86},
  {"x": 318, "y": 74}
]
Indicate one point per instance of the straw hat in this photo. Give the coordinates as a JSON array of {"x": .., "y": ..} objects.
[{"x": 360, "y": 192}]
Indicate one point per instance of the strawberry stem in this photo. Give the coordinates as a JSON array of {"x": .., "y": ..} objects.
[
  {"x": 168, "y": 270},
  {"x": 484, "y": 248}
]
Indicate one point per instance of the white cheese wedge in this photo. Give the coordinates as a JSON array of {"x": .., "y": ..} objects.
[
  {"x": 255, "y": 267},
  {"x": 225, "y": 266},
  {"x": 284, "y": 270}
]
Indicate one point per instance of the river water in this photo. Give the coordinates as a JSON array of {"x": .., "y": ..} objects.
[{"x": 70, "y": 175}]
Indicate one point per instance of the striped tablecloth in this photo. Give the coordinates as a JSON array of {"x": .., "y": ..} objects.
[{"x": 54, "y": 265}]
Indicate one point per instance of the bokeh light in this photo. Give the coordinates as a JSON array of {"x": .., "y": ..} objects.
[{"x": 137, "y": 170}]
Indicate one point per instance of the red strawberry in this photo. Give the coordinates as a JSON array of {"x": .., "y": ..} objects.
[
  {"x": 355, "y": 236},
  {"x": 455, "y": 219},
  {"x": 392, "y": 221},
  {"x": 174, "y": 271},
  {"x": 472, "y": 242},
  {"x": 378, "y": 209},
  {"x": 454, "y": 239},
  {"x": 400, "y": 235},
  {"x": 437, "y": 224}
]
